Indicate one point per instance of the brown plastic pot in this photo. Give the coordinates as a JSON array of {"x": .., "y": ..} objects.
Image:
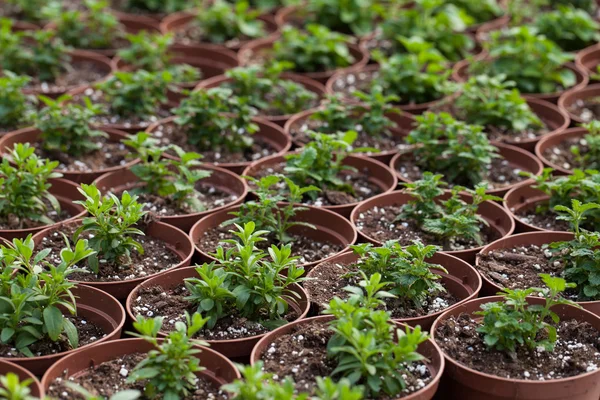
[
  {"x": 404, "y": 123},
  {"x": 175, "y": 239},
  {"x": 248, "y": 51},
  {"x": 461, "y": 382},
  {"x": 524, "y": 197},
  {"x": 462, "y": 281},
  {"x": 330, "y": 227},
  {"x": 23, "y": 374},
  {"x": 219, "y": 370},
  {"x": 460, "y": 74},
  {"x": 516, "y": 156},
  {"x": 308, "y": 83},
  {"x": 94, "y": 305},
  {"x": 588, "y": 59},
  {"x": 551, "y": 141},
  {"x": 220, "y": 178},
  {"x": 269, "y": 132},
  {"x": 433, "y": 355},
  {"x": 65, "y": 192},
  {"x": 567, "y": 99},
  {"x": 144, "y": 18},
  {"x": 495, "y": 215},
  {"x": 233, "y": 348},
  {"x": 379, "y": 174},
  {"x": 32, "y": 135},
  {"x": 482, "y": 30}
]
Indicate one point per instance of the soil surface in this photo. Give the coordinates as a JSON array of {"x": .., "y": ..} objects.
[
  {"x": 379, "y": 223},
  {"x": 77, "y": 73},
  {"x": 302, "y": 355},
  {"x": 88, "y": 333},
  {"x": 157, "y": 257},
  {"x": 562, "y": 156},
  {"x": 587, "y": 109},
  {"x": 577, "y": 351},
  {"x": 544, "y": 219},
  {"x": 110, "y": 377},
  {"x": 330, "y": 280},
  {"x": 170, "y": 304},
  {"x": 12, "y": 222}
]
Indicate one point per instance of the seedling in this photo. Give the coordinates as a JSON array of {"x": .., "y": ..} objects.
[
  {"x": 591, "y": 158},
  {"x": 354, "y": 16},
  {"x": 28, "y": 10},
  {"x": 12, "y": 388},
  {"x": 15, "y": 106},
  {"x": 479, "y": 11},
  {"x": 24, "y": 185},
  {"x": 157, "y": 6},
  {"x": 221, "y": 21},
  {"x": 569, "y": 27},
  {"x": 245, "y": 282},
  {"x": 112, "y": 224},
  {"x": 123, "y": 395},
  {"x": 317, "y": 49}
]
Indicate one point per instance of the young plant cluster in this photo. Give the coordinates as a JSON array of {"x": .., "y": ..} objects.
[
  {"x": 27, "y": 10},
  {"x": 222, "y": 21},
  {"x": 356, "y": 17},
  {"x": 571, "y": 28},
  {"x": 16, "y": 108},
  {"x": 590, "y": 159},
  {"x": 157, "y": 6},
  {"x": 12, "y": 388}
]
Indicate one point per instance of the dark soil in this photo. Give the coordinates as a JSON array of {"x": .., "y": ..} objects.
[
  {"x": 174, "y": 134},
  {"x": 305, "y": 247},
  {"x": 110, "y": 377},
  {"x": 587, "y": 109},
  {"x": 77, "y": 73},
  {"x": 363, "y": 187},
  {"x": 12, "y": 222},
  {"x": 110, "y": 154},
  {"x": 302, "y": 355},
  {"x": 157, "y": 257},
  {"x": 170, "y": 304},
  {"x": 542, "y": 218},
  {"x": 331, "y": 279},
  {"x": 88, "y": 333},
  {"x": 562, "y": 156},
  {"x": 577, "y": 351},
  {"x": 379, "y": 223}
]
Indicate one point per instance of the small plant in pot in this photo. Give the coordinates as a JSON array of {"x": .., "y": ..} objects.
[
  {"x": 31, "y": 11},
  {"x": 13, "y": 388},
  {"x": 16, "y": 108},
  {"x": 575, "y": 148},
  {"x": 153, "y": 10},
  {"x": 571, "y": 28}
]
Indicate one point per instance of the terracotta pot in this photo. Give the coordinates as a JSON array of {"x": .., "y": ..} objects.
[
  {"x": 552, "y": 141},
  {"x": 339, "y": 80},
  {"x": 144, "y": 18},
  {"x": 94, "y": 305},
  {"x": 270, "y": 133},
  {"x": 234, "y": 348},
  {"x": 219, "y": 370},
  {"x": 482, "y": 31},
  {"x": 23, "y": 374},
  {"x": 465, "y": 383},
  {"x": 433, "y": 355},
  {"x": 379, "y": 174},
  {"x": 247, "y": 56},
  {"x": 524, "y": 197},
  {"x": 330, "y": 227},
  {"x": 496, "y": 216},
  {"x": 179, "y": 21},
  {"x": 462, "y": 281},
  {"x": 175, "y": 239},
  {"x": 308, "y": 83},
  {"x": 77, "y": 56},
  {"x": 517, "y": 157},
  {"x": 404, "y": 123},
  {"x": 31, "y": 135},
  {"x": 220, "y": 178},
  {"x": 567, "y": 99},
  {"x": 460, "y": 74},
  {"x": 588, "y": 59},
  {"x": 65, "y": 192}
]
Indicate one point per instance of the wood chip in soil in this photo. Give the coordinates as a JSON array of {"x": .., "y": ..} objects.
[
  {"x": 379, "y": 223},
  {"x": 12, "y": 222},
  {"x": 110, "y": 377},
  {"x": 88, "y": 332},
  {"x": 577, "y": 351},
  {"x": 157, "y": 257},
  {"x": 77, "y": 73},
  {"x": 562, "y": 156},
  {"x": 329, "y": 282},
  {"x": 302, "y": 355},
  {"x": 588, "y": 109}
]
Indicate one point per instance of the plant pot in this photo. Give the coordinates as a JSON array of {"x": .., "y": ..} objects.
[
  {"x": 330, "y": 227},
  {"x": 523, "y": 198},
  {"x": 517, "y": 157},
  {"x": 460, "y": 74},
  {"x": 94, "y": 305},
  {"x": 268, "y": 132},
  {"x": 65, "y": 192},
  {"x": 308, "y": 83},
  {"x": 32, "y": 135},
  {"x": 179, "y": 21},
  {"x": 482, "y": 30},
  {"x": 465, "y": 383},
  {"x": 23, "y": 374},
  {"x": 142, "y": 17},
  {"x": 404, "y": 123},
  {"x": 567, "y": 99},
  {"x": 175, "y": 239},
  {"x": 251, "y": 50},
  {"x": 219, "y": 370},
  {"x": 588, "y": 60},
  {"x": 379, "y": 174},
  {"x": 433, "y": 355},
  {"x": 220, "y": 178},
  {"x": 496, "y": 216},
  {"x": 552, "y": 141},
  {"x": 462, "y": 281},
  {"x": 234, "y": 348}
]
